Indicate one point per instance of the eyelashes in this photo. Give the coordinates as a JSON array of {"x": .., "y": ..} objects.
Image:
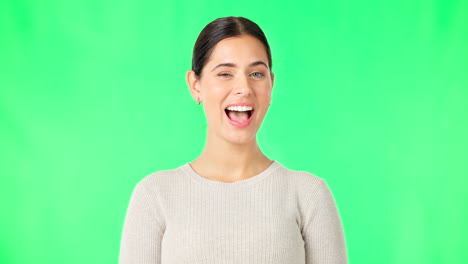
[
  {"x": 259, "y": 74},
  {"x": 224, "y": 75},
  {"x": 254, "y": 74}
]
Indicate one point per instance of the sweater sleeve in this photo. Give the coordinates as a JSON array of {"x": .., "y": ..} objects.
[
  {"x": 143, "y": 230},
  {"x": 322, "y": 232}
]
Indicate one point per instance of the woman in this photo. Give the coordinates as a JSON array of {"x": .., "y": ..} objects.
[{"x": 232, "y": 204}]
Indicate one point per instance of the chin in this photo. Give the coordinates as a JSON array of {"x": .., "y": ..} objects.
[{"x": 240, "y": 137}]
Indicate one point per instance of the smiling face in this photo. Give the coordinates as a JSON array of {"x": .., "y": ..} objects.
[{"x": 236, "y": 73}]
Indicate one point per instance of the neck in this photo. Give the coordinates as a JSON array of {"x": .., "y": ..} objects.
[{"x": 225, "y": 161}]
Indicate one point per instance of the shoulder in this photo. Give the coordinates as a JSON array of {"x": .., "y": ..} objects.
[
  {"x": 311, "y": 193},
  {"x": 161, "y": 180},
  {"x": 310, "y": 190},
  {"x": 304, "y": 181}
]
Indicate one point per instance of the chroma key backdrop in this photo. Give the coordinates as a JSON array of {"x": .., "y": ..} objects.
[{"x": 371, "y": 96}]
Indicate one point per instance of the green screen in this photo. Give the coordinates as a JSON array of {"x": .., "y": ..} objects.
[{"x": 371, "y": 96}]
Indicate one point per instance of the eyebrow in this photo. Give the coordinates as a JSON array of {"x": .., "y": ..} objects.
[{"x": 229, "y": 64}]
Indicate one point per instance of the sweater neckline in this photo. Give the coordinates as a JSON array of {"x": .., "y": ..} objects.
[{"x": 187, "y": 168}]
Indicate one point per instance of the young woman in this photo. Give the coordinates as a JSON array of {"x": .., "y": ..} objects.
[{"x": 232, "y": 204}]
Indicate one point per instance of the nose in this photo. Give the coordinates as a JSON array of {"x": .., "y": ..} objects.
[{"x": 243, "y": 86}]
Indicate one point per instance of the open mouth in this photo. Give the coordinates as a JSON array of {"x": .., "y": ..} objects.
[{"x": 239, "y": 115}]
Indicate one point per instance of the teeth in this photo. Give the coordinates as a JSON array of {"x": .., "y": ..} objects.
[{"x": 239, "y": 108}]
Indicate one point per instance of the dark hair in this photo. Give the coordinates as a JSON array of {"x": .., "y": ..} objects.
[{"x": 222, "y": 28}]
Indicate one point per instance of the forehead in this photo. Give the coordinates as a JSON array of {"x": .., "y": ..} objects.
[{"x": 245, "y": 48}]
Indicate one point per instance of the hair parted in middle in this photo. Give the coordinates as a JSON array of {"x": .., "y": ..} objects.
[{"x": 220, "y": 29}]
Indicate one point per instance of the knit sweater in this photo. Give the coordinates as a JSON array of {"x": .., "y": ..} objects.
[{"x": 278, "y": 216}]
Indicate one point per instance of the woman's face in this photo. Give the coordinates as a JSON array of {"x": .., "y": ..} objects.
[{"x": 236, "y": 73}]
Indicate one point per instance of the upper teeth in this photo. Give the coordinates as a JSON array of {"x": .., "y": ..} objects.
[{"x": 239, "y": 108}]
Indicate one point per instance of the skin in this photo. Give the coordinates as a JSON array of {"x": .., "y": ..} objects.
[{"x": 231, "y": 153}]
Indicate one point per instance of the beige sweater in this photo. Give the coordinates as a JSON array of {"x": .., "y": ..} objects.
[{"x": 279, "y": 216}]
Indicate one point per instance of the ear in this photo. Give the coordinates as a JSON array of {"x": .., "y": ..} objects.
[
  {"x": 272, "y": 75},
  {"x": 193, "y": 84}
]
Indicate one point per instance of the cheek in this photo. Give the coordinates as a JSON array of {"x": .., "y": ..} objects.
[
  {"x": 264, "y": 93},
  {"x": 216, "y": 92},
  {"x": 214, "y": 96}
]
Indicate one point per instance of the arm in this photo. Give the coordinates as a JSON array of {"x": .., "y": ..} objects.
[
  {"x": 143, "y": 230},
  {"x": 322, "y": 232}
]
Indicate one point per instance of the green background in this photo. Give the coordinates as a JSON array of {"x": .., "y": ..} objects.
[{"x": 369, "y": 95}]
